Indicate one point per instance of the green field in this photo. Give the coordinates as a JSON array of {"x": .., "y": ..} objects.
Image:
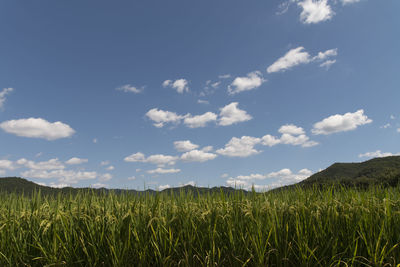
[{"x": 312, "y": 227}]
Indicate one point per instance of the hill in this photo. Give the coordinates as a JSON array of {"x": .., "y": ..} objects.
[
  {"x": 20, "y": 185},
  {"x": 378, "y": 171}
]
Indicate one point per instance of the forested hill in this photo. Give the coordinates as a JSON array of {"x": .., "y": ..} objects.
[
  {"x": 20, "y": 185},
  {"x": 383, "y": 171}
]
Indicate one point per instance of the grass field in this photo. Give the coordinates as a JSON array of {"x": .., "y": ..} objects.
[{"x": 341, "y": 227}]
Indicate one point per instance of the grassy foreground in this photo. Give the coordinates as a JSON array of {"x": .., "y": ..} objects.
[{"x": 310, "y": 227}]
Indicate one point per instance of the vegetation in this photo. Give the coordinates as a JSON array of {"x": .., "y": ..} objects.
[
  {"x": 306, "y": 227},
  {"x": 379, "y": 171}
]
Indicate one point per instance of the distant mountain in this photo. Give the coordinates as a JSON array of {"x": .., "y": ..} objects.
[
  {"x": 378, "y": 171},
  {"x": 23, "y": 186}
]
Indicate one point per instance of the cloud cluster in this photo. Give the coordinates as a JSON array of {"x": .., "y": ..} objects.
[
  {"x": 37, "y": 128},
  {"x": 3, "y": 95},
  {"x": 315, "y": 11},
  {"x": 377, "y": 154},
  {"x": 180, "y": 85},
  {"x": 252, "y": 81},
  {"x": 280, "y": 178},
  {"x": 298, "y": 56},
  {"x": 53, "y": 169},
  {"x": 158, "y": 159},
  {"x": 245, "y": 146},
  {"x": 228, "y": 115},
  {"x": 130, "y": 88},
  {"x": 341, "y": 123}
]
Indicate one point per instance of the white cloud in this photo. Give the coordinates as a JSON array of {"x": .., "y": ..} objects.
[
  {"x": 377, "y": 154},
  {"x": 110, "y": 168},
  {"x": 253, "y": 80},
  {"x": 75, "y": 161},
  {"x": 183, "y": 146},
  {"x": 198, "y": 156},
  {"x": 341, "y": 123},
  {"x": 207, "y": 148},
  {"x": 269, "y": 140},
  {"x": 137, "y": 157},
  {"x": 315, "y": 11},
  {"x": 294, "y": 57},
  {"x": 326, "y": 54},
  {"x": 231, "y": 114},
  {"x": 51, "y": 164},
  {"x": 161, "y": 117},
  {"x": 240, "y": 147},
  {"x": 37, "y": 128},
  {"x": 162, "y": 160},
  {"x": 291, "y": 129},
  {"x": 225, "y": 76},
  {"x": 224, "y": 175},
  {"x": 157, "y": 159},
  {"x": 180, "y": 85},
  {"x": 199, "y": 120},
  {"x": 129, "y": 88},
  {"x": 392, "y": 117},
  {"x": 105, "y": 177},
  {"x": 162, "y": 187},
  {"x": 345, "y": 2},
  {"x": 163, "y": 171},
  {"x": 298, "y": 56},
  {"x": 105, "y": 163},
  {"x": 63, "y": 176},
  {"x": 99, "y": 185},
  {"x": 327, "y": 64},
  {"x": 200, "y": 101},
  {"x": 7, "y": 164},
  {"x": 131, "y": 178},
  {"x": 282, "y": 177},
  {"x": 94, "y": 140},
  {"x": 398, "y": 130},
  {"x": 3, "y": 94},
  {"x": 215, "y": 85}
]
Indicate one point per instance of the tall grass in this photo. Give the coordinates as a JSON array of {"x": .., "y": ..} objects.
[{"x": 314, "y": 227}]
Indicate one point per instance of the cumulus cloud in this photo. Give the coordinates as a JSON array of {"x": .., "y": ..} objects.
[
  {"x": 269, "y": 140},
  {"x": 162, "y": 187},
  {"x": 224, "y": 76},
  {"x": 130, "y": 88},
  {"x": 99, "y": 185},
  {"x": 157, "y": 159},
  {"x": 105, "y": 177},
  {"x": 110, "y": 168},
  {"x": 3, "y": 95},
  {"x": 341, "y": 123},
  {"x": 291, "y": 129},
  {"x": 345, "y": 2},
  {"x": 199, "y": 120},
  {"x": 231, "y": 114},
  {"x": 51, "y": 164},
  {"x": 198, "y": 156},
  {"x": 282, "y": 177},
  {"x": 37, "y": 128},
  {"x": 75, "y": 161},
  {"x": 63, "y": 176},
  {"x": 7, "y": 164},
  {"x": 180, "y": 85},
  {"x": 252, "y": 81},
  {"x": 327, "y": 64},
  {"x": 240, "y": 147},
  {"x": 163, "y": 171},
  {"x": 183, "y": 146},
  {"x": 315, "y": 11},
  {"x": 161, "y": 117},
  {"x": 294, "y": 57},
  {"x": 298, "y": 56},
  {"x": 377, "y": 154}
]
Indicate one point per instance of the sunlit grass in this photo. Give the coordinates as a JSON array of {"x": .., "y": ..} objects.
[{"x": 330, "y": 227}]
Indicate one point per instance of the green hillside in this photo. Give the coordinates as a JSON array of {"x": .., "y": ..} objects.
[
  {"x": 19, "y": 185},
  {"x": 378, "y": 171}
]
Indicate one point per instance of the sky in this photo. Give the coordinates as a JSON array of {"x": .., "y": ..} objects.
[{"x": 158, "y": 94}]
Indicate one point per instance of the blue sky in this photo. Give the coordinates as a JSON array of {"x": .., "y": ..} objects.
[{"x": 134, "y": 94}]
